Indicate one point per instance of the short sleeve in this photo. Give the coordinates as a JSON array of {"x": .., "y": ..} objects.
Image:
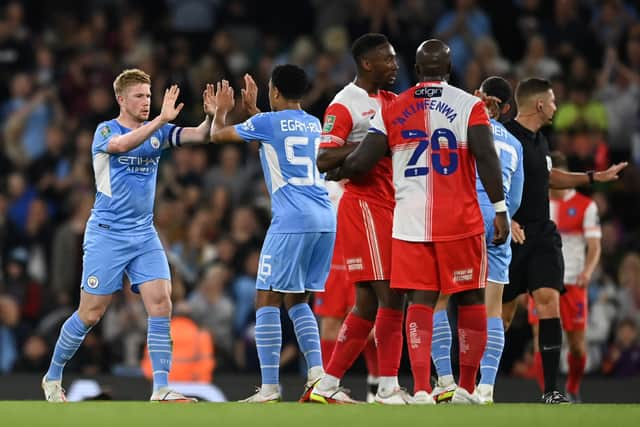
[
  {"x": 337, "y": 126},
  {"x": 377, "y": 124},
  {"x": 479, "y": 115},
  {"x": 104, "y": 133},
  {"x": 256, "y": 128},
  {"x": 591, "y": 222}
]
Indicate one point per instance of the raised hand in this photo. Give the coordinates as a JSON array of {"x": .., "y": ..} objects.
[
  {"x": 610, "y": 174},
  {"x": 250, "y": 95},
  {"x": 169, "y": 109},
  {"x": 224, "y": 99},
  {"x": 209, "y": 100}
]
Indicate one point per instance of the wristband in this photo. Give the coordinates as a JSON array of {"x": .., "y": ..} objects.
[
  {"x": 590, "y": 175},
  {"x": 500, "y": 206}
]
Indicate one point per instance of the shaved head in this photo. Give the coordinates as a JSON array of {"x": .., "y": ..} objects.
[{"x": 433, "y": 60}]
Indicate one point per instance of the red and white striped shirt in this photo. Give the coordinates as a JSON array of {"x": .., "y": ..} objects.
[
  {"x": 576, "y": 217},
  {"x": 434, "y": 172},
  {"x": 347, "y": 121}
]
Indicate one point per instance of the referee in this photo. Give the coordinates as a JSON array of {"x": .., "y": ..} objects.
[{"x": 537, "y": 265}]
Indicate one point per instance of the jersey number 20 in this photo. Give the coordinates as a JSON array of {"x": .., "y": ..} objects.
[{"x": 436, "y": 155}]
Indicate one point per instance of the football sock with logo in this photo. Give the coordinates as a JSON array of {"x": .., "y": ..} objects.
[
  {"x": 419, "y": 328},
  {"x": 351, "y": 340},
  {"x": 160, "y": 350},
  {"x": 441, "y": 344},
  {"x": 269, "y": 343},
  {"x": 472, "y": 339},
  {"x": 576, "y": 371},
  {"x": 306, "y": 329},
  {"x": 549, "y": 342},
  {"x": 71, "y": 336},
  {"x": 493, "y": 351},
  {"x": 388, "y": 333}
]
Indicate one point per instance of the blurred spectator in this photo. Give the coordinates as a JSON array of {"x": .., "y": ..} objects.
[
  {"x": 611, "y": 20},
  {"x": 191, "y": 257},
  {"x": 25, "y": 117},
  {"x": 536, "y": 62},
  {"x": 9, "y": 318},
  {"x": 66, "y": 253},
  {"x": 124, "y": 328},
  {"x": 243, "y": 290},
  {"x": 213, "y": 310},
  {"x": 619, "y": 91},
  {"x": 629, "y": 281},
  {"x": 51, "y": 170},
  {"x": 489, "y": 59},
  {"x": 25, "y": 291},
  {"x": 623, "y": 357},
  {"x": 459, "y": 28}
]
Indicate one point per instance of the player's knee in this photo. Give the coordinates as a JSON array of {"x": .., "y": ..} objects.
[
  {"x": 547, "y": 303},
  {"x": 473, "y": 297},
  {"x": 91, "y": 316},
  {"x": 160, "y": 308}
]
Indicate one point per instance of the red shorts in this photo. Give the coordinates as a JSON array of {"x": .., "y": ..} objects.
[
  {"x": 573, "y": 309},
  {"x": 339, "y": 295},
  {"x": 364, "y": 229},
  {"x": 447, "y": 267}
]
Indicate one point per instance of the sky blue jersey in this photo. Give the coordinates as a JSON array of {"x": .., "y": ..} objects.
[
  {"x": 126, "y": 182},
  {"x": 509, "y": 151},
  {"x": 289, "y": 141}
]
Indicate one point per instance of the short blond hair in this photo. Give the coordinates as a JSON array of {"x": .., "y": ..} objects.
[{"x": 128, "y": 78}]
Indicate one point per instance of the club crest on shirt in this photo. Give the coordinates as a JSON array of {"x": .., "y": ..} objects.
[
  {"x": 92, "y": 282},
  {"x": 328, "y": 124},
  {"x": 572, "y": 212},
  {"x": 105, "y": 131},
  {"x": 155, "y": 142}
]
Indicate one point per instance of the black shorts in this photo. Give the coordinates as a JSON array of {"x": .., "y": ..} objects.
[{"x": 536, "y": 264}]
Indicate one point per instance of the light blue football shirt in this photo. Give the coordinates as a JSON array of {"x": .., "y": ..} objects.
[
  {"x": 126, "y": 182},
  {"x": 509, "y": 151},
  {"x": 289, "y": 141}
]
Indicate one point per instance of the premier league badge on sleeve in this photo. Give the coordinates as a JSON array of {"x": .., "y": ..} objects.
[{"x": 105, "y": 131}]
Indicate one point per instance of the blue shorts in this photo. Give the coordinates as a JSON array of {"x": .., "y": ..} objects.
[
  {"x": 107, "y": 255},
  {"x": 295, "y": 262},
  {"x": 498, "y": 257}
]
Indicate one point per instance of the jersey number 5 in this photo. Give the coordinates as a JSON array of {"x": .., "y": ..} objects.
[
  {"x": 312, "y": 175},
  {"x": 436, "y": 151}
]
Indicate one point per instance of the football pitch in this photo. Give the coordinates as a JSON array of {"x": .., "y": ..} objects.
[{"x": 139, "y": 414}]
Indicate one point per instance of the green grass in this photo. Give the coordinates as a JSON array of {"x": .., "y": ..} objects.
[{"x": 139, "y": 414}]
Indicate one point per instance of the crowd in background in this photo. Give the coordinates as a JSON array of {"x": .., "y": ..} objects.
[{"x": 57, "y": 64}]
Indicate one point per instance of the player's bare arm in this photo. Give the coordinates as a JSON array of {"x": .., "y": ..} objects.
[
  {"x": 365, "y": 156},
  {"x": 220, "y": 101},
  {"x": 169, "y": 111},
  {"x": 591, "y": 261},
  {"x": 200, "y": 134},
  {"x": 560, "y": 180},
  {"x": 333, "y": 157},
  {"x": 481, "y": 145}
]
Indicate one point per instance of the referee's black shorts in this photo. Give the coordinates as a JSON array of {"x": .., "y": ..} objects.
[{"x": 538, "y": 263}]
